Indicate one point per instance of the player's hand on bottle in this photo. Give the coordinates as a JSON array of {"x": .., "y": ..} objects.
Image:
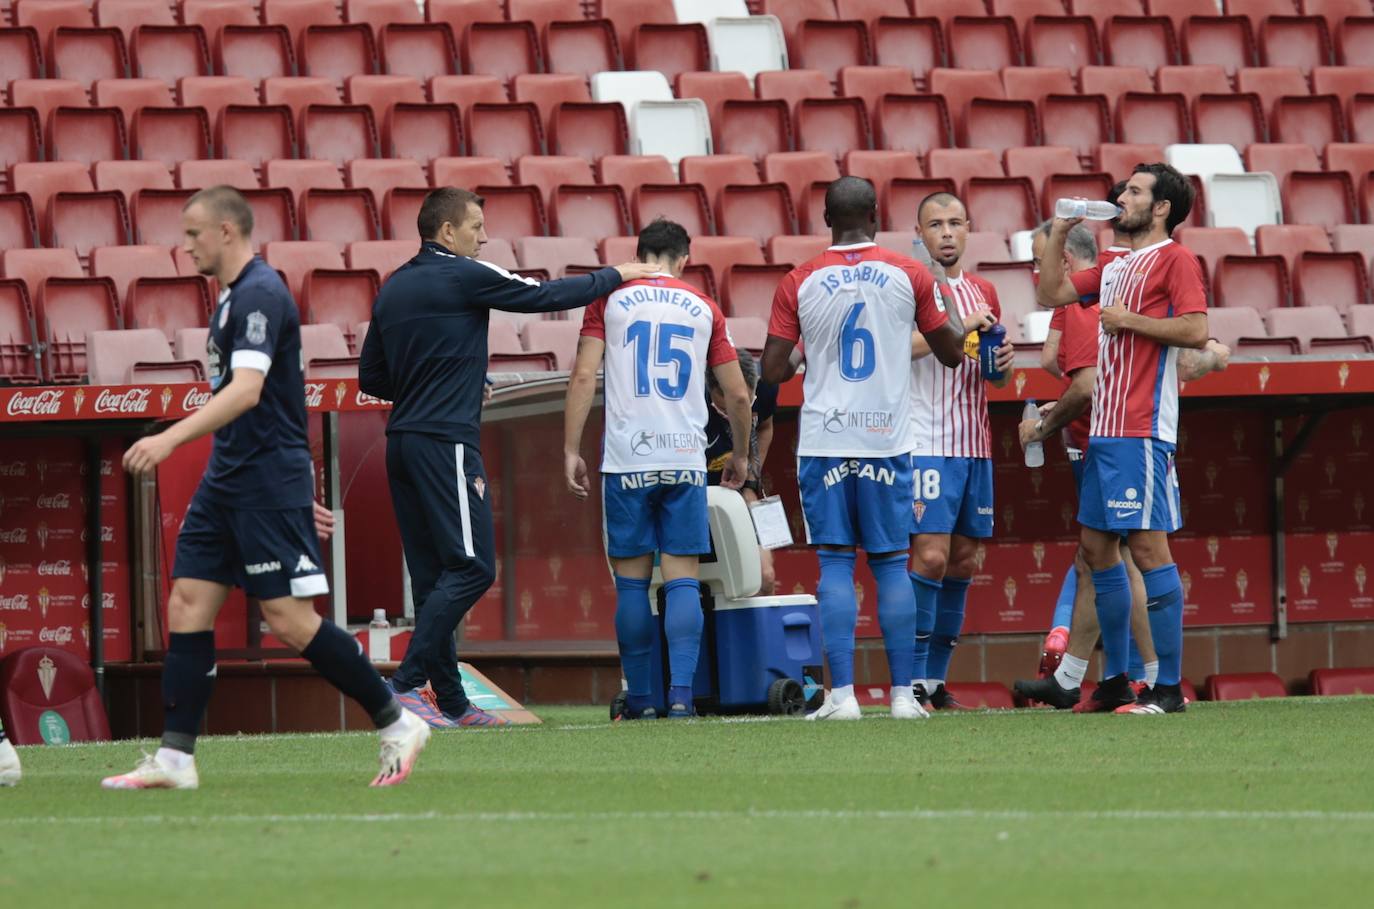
[
  {"x": 145, "y": 454},
  {"x": 735, "y": 472},
  {"x": 1114, "y": 319},
  {"x": 981, "y": 319},
  {"x": 1028, "y": 433},
  {"x": 324, "y": 522},
  {"x": 1006, "y": 357},
  {"x": 633, "y": 271},
  {"x": 575, "y": 474}
]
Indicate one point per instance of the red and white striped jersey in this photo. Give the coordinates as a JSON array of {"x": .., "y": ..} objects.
[
  {"x": 854, "y": 307},
  {"x": 949, "y": 407},
  {"x": 1079, "y": 327},
  {"x": 1136, "y": 393},
  {"x": 661, "y": 336}
]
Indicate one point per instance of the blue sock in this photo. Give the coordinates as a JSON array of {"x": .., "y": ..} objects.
[
  {"x": 896, "y": 615},
  {"x": 634, "y": 632},
  {"x": 682, "y": 623},
  {"x": 839, "y": 611},
  {"x": 949, "y": 621},
  {"x": 927, "y": 596},
  {"x": 1164, "y": 595},
  {"x": 1135, "y": 666},
  {"x": 1114, "y": 615},
  {"x": 1063, "y": 607}
]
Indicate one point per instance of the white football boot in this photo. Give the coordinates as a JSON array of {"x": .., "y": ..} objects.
[
  {"x": 401, "y": 749},
  {"x": 845, "y": 709},
  {"x": 153, "y": 774}
]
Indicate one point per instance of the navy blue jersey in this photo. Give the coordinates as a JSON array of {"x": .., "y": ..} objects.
[
  {"x": 720, "y": 441},
  {"x": 426, "y": 349},
  {"x": 261, "y": 460}
]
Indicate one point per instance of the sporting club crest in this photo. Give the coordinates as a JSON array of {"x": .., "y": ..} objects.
[{"x": 255, "y": 328}]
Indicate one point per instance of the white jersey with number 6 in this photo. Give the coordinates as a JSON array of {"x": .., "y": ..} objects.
[
  {"x": 853, "y": 308},
  {"x": 661, "y": 336}
]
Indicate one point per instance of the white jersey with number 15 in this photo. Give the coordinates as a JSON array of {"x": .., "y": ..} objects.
[{"x": 853, "y": 308}]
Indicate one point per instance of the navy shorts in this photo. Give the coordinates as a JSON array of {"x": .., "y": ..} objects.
[
  {"x": 655, "y": 511},
  {"x": 270, "y": 554}
]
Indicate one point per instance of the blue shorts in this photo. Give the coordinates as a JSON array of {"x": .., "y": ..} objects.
[
  {"x": 270, "y": 554},
  {"x": 1130, "y": 484},
  {"x": 951, "y": 495},
  {"x": 863, "y": 502},
  {"x": 655, "y": 511},
  {"x": 1076, "y": 463}
]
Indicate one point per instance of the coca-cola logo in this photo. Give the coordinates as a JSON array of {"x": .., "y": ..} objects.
[
  {"x": 107, "y": 600},
  {"x": 106, "y": 468},
  {"x": 17, "y": 535},
  {"x": 195, "y": 399},
  {"x": 17, "y": 603},
  {"x": 363, "y": 399},
  {"x": 106, "y": 534},
  {"x": 62, "y": 634},
  {"x": 59, "y": 567},
  {"x": 314, "y": 394},
  {"x": 14, "y": 469},
  {"x": 58, "y": 500},
  {"x": 37, "y": 404},
  {"x": 134, "y": 400}
]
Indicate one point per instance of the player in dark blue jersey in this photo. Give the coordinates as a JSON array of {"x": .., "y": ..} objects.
[
  {"x": 720, "y": 443},
  {"x": 250, "y": 523},
  {"x": 426, "y": 352}
]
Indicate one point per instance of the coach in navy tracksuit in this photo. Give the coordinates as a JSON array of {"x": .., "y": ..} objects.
[{"x": 426, "y": 352}]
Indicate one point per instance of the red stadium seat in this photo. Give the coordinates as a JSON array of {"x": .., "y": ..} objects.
[
  {"x": 1258, "y": 10},
  {"x": 582, "y": 47},
  {"x": 298, "y": 176},
  {"x": 43, "y": 180},
  {"x": 1058, "y": 40},
  {"x": 87, "y": 54},
  {"x": 627, "y": 15},
  {"x": 985, "y": 247},
  {"x": 130, "y": 94},
  {"x": 136, "y": 355},
  {"x": 1152, "y": 119},
  {"x": 255, "y": 52},
  {"x": 468, "y": 172},
  {"x": 1192, "y": 80},
  {"x": 86, "y": 134},
  {"x": 1361, "y": 321},
  {"x": 295, "y": 259},
  {"x": 1271, "y": 83},
  {"x": 213, "y": 93},
  {"x": 796, "y": 250},
  {"x": 872, "y": 10},
  {"x": 1144, "y": 41},
  {"x": 1355, "y": 42},
  {"x": 419, "y": 50},
  {"x": 1290, "y": 241},
  {"x": 500, "y": 49},
  {"x": 1225, "y": 41},
  {"x": 67, "y": 309},
  {"x": 35, "y": 267},
  {"x": 760, "y": 211},
  {"x": 914, "y": 124},
  {"x": 547, "y": 91},
  {"x": 1259, "y": 282},
  {"x": 1039, "y": 163},
  {"x": 255, "y": 134},
  {"x": 959, "y": 164},
  {"x": 831, "y": 46},
  {"x": 1323, "y": 198},
  {"x": 1319, "y": 329},
  {"x": 300, "y": 15},
  {"x": 917, "y": 44},
  {"x": 871, "y": 83},
  {"x": 1015, "y": 284},
  {"x": 380, "y": 13},
  {"x": 1209, "y": 244},
  {"x": 1001, "y": 204},
  {"x": 200, "y": 174},
  {"x": 18, "y": 222},
  {"x": 380, "y": 175},
  {"x": 1361, "y": 117},
  {"x": 669, "y": 48},
  {"x": 400, "y": 213},
  {"x": 1080, "y": 122},
  {"x": 1336, "y": 279},
  {"x": 1342, "y": 81},
  {"x": 959, "y": 87},
  {"x": 338, "y": 132},
  {"x": 1229, "y": 118},
  {"x": 898, "y": 207},
  {"x": 589, "y": 130},
  {"x": 423, "y": 132},
  {"x": 548, "y": 172},
  {"x": 1115, "y": 81},
  {"x": 72, "y": 694},
  {"x": 337, "y": 52},
  {"x": 45, "y": 16},
  {"x": 792, "y": 86},
  {"x": 720, "y": 254},
  {"x": 1336, "y": 682},
  {"x": 714, "y": 89},
  {"x": 1033, "y": 83},
  {"x": 1314, "y": 119},
  {"x": 1300, "y": 41},
  {"x": 341, "y": 297},
  {"x": 542, "y": 12},
  {"x": 128, "y": 177},
  {"x": 753, "y": 128},
  {"x": 156, "y": 215},
  {"x": 125, "y": 264},
  {"x": 748, "y": 333},
  {"x": 381, "y": 93},
  {"x": 326, "y": 353},
  {"x": 18, "y": 342},
  {"x": 338, "y": 215},
  {"x": 589, "y": 211},
  {"x": 798, "y": 170},
  {"x": 170, "y": 134},
  {"x": 46, "y": 95},
  {"x": 214, "y": 15},
  {"x": 684, "y": 203},
  {"x": 1122, "y": 157},
  {"x": 553, "y": 254},
  {"x": 20, "y": 56},
  {"x": 882, "y": 167},
  {"x": 630, "y": 172},
  {"x": 983, "y": 42},
  {"x": 274, "y": 214},
  {"x": 458, "y": 14},
  {"x": 556, "y": 337},
  {"x": 1231, "y": 325},
  {"x": 514, "y": 211},
  {"x": 998, "y": 124},
  {"x": 504, "y": 131},
  {"x": 382, "y": 256},
  {"x": 748, "y": 289},
  {"x": 715, "y": 172},
  {"x": 1354, "y": 238},
  {"x": 1281, "y": 159}
]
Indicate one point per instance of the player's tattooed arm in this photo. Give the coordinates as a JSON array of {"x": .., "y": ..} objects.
[
  {"x": 1194, "y": 364},
  {"x": 1068, "y": 408},
  {"x": 581, "y": 391},
  {"x": 1055, "y": 288}
]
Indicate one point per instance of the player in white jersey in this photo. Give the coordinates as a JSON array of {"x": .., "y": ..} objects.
[
  {"x": 951, "y": 455},
  {"x": 853, "y": 308},
  {"x": 657, "y": 336}
]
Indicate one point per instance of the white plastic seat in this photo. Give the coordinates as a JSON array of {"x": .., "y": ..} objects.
[
  {"x": 629, "y": 88},
  {"x": 1243, "y": 200},
  {"x": 1021, "y": 245},
  {"x": 704, "y": 11},
  {"x": 673, "y": 129},
  {"x": 1205, "y": 160},
  {"x": 750, "y": 45},
  {"x": 1036, "y": 327}
]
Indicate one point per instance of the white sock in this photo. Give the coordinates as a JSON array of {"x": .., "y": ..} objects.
[
  {"x": 841, "y": 693},
  {"x": 899, "y": 692},
  {"x": 173, "y": 759},
  {"x": 932, "y": 684},
  {"x": 1070, "y": 673},
  {"x": 395, "y": 728},
  {"x": 1151, "y": 672}
]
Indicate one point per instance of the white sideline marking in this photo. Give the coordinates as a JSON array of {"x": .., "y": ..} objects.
[{"x": 917, "y": 814}]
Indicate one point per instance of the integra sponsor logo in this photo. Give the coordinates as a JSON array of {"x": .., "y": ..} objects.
[
  {"x": 863, "y": 470},
  {"x": 837, "y": 420},
  {"x": 262, "y": 567},
  {"x": 647, "y": 442},
  {"x": 650, "y": 478}
]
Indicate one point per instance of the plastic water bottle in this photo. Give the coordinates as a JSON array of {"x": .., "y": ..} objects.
[
  {"x": 379, "y": 637},
  {"x": 1083, "y": 208},
  {"x": 920, "y": 252},
  {"x": 1035, "y": 451}
]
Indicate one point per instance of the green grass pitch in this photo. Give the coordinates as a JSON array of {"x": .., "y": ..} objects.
[{"x": 1251, "y": 804}]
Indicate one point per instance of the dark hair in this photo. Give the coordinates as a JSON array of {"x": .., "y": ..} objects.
[
  {"x": 939, "y": 198},
  {"x": 447, "y": 203},
  {"x": 661, "y": 237},
  {"x": 1172, "y": 187},
  {"x": 225, "y": 203},
  {"x": 747, "y": 365},
  {"x": 850, "y": 202}
]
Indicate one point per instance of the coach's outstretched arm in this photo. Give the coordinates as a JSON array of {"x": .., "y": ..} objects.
[
  {"x": 239, "y": 396},
  {"x": 581, "y": 391},
  {"x": 491, "y": 285},
  {"x": 1055, "y": 288},
  {"x": 374, "y": 378}
]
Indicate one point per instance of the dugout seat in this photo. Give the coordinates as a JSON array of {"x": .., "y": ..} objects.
[
  {"x": 136, "y": 355},
  {"x": 1244, "y": 686},
  {"x": 18, "y": 342},
  {"x": 168, "y": 304},
  {"x": 1329, "y": 682},
  {"x": 325, "y": 352},
  {"x": 37, "y": 683},
  {"x": 67, "y": 309}
]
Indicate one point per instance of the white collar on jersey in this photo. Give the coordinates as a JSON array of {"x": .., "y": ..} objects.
[
  {"x": 865, "y": 244},
  {"x": 1165, "y": 242}
]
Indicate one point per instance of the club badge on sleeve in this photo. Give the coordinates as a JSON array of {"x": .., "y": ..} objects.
[{"x": 257, "y": 328}]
